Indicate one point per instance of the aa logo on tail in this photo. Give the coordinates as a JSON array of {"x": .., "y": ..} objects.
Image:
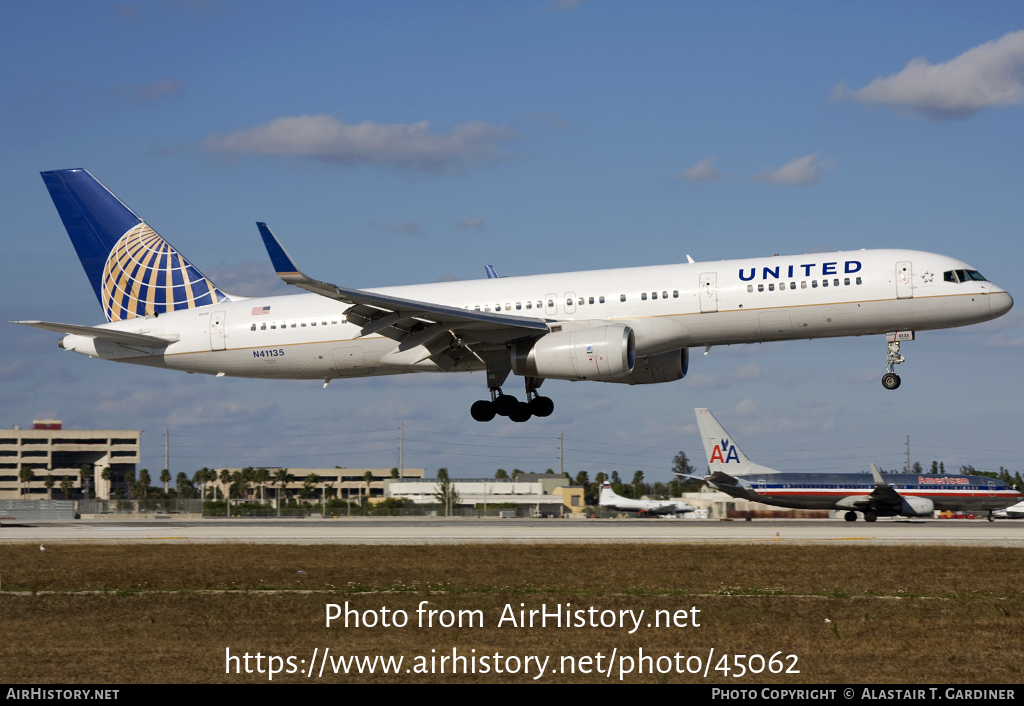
[{"x": 724, "y": 452}]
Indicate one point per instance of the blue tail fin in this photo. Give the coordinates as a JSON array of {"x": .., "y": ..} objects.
[{"x": 133, "y": 271}]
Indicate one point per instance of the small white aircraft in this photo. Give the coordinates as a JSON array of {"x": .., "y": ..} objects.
[
  {"x": 1014, "y": 512},
  {"x": 610, "y": 499},
  {"x": 632, "y": 325}
]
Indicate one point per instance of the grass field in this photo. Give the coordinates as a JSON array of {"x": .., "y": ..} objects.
[{"x": 166, "y": 613}]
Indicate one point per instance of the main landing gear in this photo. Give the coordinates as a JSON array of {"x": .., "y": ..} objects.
[
  {"x": 869, "y": 516},
  {"x": 890, "y": 381},
  {"x": 509, "y": 406}
]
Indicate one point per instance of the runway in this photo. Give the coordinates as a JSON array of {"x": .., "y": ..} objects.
[{"x": 420, "y": 530}]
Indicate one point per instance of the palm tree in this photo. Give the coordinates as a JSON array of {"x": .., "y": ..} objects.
[
  {"x": 142, "y": 487},
  {"x": 501, "y": 474},
  {"x": 181, "y": 482},
  {"x": 106, "y": 475},
  {"x": 225, "y": 480},
  {"x": 165, "y": 478},
  {"x": 85, "y": 475},
  {"x": 25, "y": 475},
  {"x": 66, "y": 486},
  {"x": 281, "y": 478},
  {"x": 638, "y": 478},
  {"x": 49, "y": 486},
  {"x": 368, "y": 477},
  {"x": 261, "y": 476}
]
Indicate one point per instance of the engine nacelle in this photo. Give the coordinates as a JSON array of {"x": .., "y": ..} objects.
[
  {"x": 664, "y": 367},
  {"x": 593, "y": 353},
  {"x": 916, "y": 507}
]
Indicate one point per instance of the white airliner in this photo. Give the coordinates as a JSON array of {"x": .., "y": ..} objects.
[
  {"x": 873, "y": 495},
  {"x": 609, "y": 498},
  {"x": 631, "y": 325}
]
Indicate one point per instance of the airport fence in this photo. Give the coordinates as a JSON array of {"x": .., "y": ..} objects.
[{"x": 169, "y": 506}]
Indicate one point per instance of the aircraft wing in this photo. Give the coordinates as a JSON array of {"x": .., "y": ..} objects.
[
  {"x": 411, "y": 322},
  {"x": 125, "y": 337},
  {"x": 884, "y": 494}
]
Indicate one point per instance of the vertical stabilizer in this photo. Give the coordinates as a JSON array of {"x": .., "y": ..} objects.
[
  {"x": 132, "y": 270},
  {"x": 721, "y": 451}
]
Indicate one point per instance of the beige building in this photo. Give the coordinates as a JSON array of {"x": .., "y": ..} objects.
[
  {"x": 49, "y": 449},
  {"x": 342, "y": 483}
]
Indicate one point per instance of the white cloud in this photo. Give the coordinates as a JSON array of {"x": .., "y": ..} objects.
[
  {"x": 1001, "y": 339},
  {"x": 472, "y": 223},
  {"x": 987, "y": 76},
  {"x": 799, "y": 172},
  {"x": 325, "y": 138},
  {"x": 704, "y": 171}
]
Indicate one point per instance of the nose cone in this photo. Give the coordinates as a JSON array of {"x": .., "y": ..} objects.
[{"x": 999, "y": 303}]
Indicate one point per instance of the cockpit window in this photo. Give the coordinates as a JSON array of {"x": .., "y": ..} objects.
[{"x": 963, "y": 276}]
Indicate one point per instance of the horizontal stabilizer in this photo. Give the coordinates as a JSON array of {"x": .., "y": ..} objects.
[{"x": 129, "y": 339}]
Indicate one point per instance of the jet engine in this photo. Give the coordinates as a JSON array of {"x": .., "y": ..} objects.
[
  {"x": 664, "y": 367},
  {"x": 916, "y": 507},
  {"x": 593, "y": 353}
]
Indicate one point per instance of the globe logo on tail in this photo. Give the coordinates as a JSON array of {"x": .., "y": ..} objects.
[{"x": 144, "y": 275}]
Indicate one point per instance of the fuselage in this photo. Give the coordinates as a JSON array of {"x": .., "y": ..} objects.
[
  {"x": 669, "y": 307},
  {"x": 822, "y": 491}
]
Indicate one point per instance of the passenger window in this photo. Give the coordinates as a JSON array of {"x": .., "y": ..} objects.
[
  {"x": 551, "y": 302},
  {"x": 782, "y": 286},
  {"x": 664, "y": 295},
  {"x": 750, "y": 288},
  {"x": 846, "y": 281},
  {"x": 253, "y": 327},
  {"x": 771, "y": 286},
  {"x": 835, "y": 282},
  {"x": 814, "y": 284},
  {"x": 824, "y": 283},
  {"x": 529, "y": 305},
  {"x": 293, "y": 325},
  {"x": 263, "y": 327},
  {"x": 600, "y": 300},
  {"x": 760, "y": 287},
  {"x": 487, "y": 307},
  {"x": 803, "y": 285},
  {"x": 590, "y": 300},
  {"x": 476, "y": 307},
  {"x": 858, "y": 280},
  {"x": 273, "y": 326},
  {"x": 792, "y": 285},
  {"x": 654, "y": 295},
  {"x": 675, "y": 293},
  {"x": 581, "y": 301},
  {"x": 497, "y": 307},
  {"x": 622, "y": 297},
  {"x": 303, "y": 324},
  {"x": 643, "y": 296},
  {"x": 519, "y": 306},
  {"x": 312, "y": 323},
  {"x": 508, "y": 306}
]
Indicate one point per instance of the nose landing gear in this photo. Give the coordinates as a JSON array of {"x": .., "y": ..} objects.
[{"x": 890, "y": 381}]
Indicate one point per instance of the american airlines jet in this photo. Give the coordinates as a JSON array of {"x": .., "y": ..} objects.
[{"x": 630, "y": 325}]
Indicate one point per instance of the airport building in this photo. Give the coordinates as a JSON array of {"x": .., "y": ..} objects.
[
  {"x": 344, "y": 483},
  {"x": 49, "y": 449},
  {"x": 532, "y": 493}
]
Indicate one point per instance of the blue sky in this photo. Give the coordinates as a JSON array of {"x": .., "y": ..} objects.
[{"x": 395, "y": 143}]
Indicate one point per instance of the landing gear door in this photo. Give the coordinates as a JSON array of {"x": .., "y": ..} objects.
[
  {"x": 218, "y": 331},
  {"x": 904, "y": 280},
  {"x": 708, "y": 292}
]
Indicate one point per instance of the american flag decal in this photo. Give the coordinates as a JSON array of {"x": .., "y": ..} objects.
[{"x": 260, "y": 310}]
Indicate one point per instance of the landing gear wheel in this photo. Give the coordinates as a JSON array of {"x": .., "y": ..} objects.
[
  {"x": 482, "y": 410},
  {"x": 522, "y": 413},
  {"x": 870, "y": 516},
  {"x": 542, "y": 406},
  {"x": 850, "y": 517},
  {"x": 890, "y": 381},
  {"x": 506, "y": 405},
  {"x": 991, "y": 517}
]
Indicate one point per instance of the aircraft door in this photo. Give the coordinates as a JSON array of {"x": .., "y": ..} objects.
[
  {"x": 708, "y": 292},
  {"x": 991, "y": 489},
  {"x": 570, "y": 302},
  {"x": 550, "y": 304},
  {"x": 218, "y": 331},
  {"x": 904, "y": 280},
  {"x": 762, "y": 487}
]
